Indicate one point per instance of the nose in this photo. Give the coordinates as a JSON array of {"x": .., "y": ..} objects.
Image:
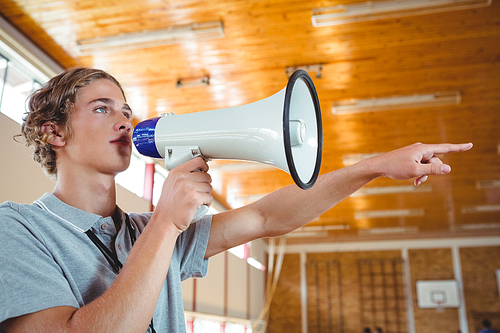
[
  {"x": 127, "y": 127},
  {"x": 123, "y": 124}
]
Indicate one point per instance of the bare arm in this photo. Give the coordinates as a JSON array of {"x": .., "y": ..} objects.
[
  {"x": 128, "y": 305},
  {"x": 290, "y": 208}
]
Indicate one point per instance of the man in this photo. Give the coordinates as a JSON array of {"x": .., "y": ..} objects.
[
  {"x": 62, "y": 256},
  {"x": 487, "y": 327}
]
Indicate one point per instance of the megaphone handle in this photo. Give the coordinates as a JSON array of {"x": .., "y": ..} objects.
[
  {"x": 202, "y": 211},
  {"x": 176, "y": 155}
]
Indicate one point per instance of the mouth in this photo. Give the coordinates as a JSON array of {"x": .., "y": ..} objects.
[{"x": 123, "y": 140}]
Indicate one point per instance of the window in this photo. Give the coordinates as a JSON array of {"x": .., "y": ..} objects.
[
  {"x": 237, "y": 328},
  {"x": 16, "y": 84},
  {"x": 206, "y": 326},
  {"x": 238, "y": 251},
  {"x": 214, "y": 326}
]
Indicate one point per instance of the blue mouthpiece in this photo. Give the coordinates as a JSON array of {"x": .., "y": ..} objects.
[{"x": 144, "y": 138}]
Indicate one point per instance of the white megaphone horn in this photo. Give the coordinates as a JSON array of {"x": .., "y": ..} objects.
[{"x": 283, "y": 130}]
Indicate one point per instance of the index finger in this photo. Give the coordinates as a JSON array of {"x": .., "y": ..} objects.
[
  {"x": 199, "y": 164},
  {"x": 444, "y": 148}
]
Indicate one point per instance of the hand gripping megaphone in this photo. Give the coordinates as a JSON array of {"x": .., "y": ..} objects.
[{"x": 284, "y": 130}]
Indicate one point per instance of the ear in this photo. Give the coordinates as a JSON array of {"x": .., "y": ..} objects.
[{"x": 54, "y": 132}]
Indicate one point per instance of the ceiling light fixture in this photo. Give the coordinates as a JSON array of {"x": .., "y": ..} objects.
[
  {"x": 480, "y": 184},
  {"x": 480, "y": 209},
  {"x": 317, "y": 231},
  {"x": 255, "y": 263},
  {"x": 323, "y": 228},
  {"x": 388, "y": 213},
  {"x": 308, "y": 68},
  {"x": 390, "y": 190},
  {"x": 378, "y": 10},
  {"x": 396, "y": 102},
  {"x": 193, "y": 82},
  {"x": 476, "y": 226},
  {"x": 150, "y": 38},
  {"x": 307, "y": 234},
  {"x": 395, "y": 230}
]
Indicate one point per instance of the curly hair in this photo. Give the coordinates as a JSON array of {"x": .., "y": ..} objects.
[{"x": 54, "y": 102}]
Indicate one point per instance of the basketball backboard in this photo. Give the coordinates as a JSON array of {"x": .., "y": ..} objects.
[{"x": 438, "y": 293}]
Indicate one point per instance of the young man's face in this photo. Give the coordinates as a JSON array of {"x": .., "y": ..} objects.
[{"x": 101, "y": 129}]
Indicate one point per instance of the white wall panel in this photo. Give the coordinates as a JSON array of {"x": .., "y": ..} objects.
[
  {"x": 187, "y": 294},
  {"x": 257, "y": 280},
  {"x": 210, "y": 290},
  {"x": 237, "y": 287},
  {"x": 22, "y": 180}
]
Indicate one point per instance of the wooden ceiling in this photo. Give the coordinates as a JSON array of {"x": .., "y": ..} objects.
[{"x": 452, "y": 51}]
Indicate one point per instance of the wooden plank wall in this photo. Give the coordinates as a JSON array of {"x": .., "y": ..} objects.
[{"x": 482, "y": 298}]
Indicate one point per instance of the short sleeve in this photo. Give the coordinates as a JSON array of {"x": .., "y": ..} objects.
[
  {"x": 30, "y": 279},
  {"x": 191, "y": 248}
]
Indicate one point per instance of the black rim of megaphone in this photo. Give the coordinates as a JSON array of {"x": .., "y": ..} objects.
[{"x": 301, "y": 74}]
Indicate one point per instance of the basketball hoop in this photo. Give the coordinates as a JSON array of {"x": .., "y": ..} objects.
[
  {"x": 439, "y": 306},
  {"x": 438, "y": 297}
]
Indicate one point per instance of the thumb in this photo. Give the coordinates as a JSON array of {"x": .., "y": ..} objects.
[{"x": 431, "y": 169}]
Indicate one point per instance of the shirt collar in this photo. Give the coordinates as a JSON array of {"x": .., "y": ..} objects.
[{"x": 74, "y": 217}]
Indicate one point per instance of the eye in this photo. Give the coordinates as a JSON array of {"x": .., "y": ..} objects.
[
  {"x": 127, "y": 114},
  {"x": 101, "y": 109}
]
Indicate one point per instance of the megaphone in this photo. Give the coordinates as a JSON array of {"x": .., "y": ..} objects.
[{"x": 283, "y": 130}]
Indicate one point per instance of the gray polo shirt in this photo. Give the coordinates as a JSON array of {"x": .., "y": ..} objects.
[{"x": 47, "y": 260}]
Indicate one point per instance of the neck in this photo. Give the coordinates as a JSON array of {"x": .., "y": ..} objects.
[{"x": 94, "y": 194}]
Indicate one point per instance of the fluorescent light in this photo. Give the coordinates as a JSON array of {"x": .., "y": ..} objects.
[
  {"x": 378, "y": 10},
  {"x": 150, "y": 38},
  {"x": 390, "y": 190},
  {"x": 324, "y": 228},
  {"x": 480, "y": 184},
  {"x": 476, "y": 226},
  {"x": 396, "y": 102},
  {"x": 480, "y": 209},
  {"x": 388, "y": 213},
  {"x": 316, "y": 231},
  {"x": 395, "y": 230},
  {"x": 307, "y": 234},
  {"x": 255, "y": 263}
]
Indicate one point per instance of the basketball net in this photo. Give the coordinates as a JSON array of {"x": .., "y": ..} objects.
[{"x": 440, "y": 306}]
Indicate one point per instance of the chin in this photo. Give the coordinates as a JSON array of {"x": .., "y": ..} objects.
[
  {"x": 125, "y": 166},
  {"x": 118, "y": 168}
]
